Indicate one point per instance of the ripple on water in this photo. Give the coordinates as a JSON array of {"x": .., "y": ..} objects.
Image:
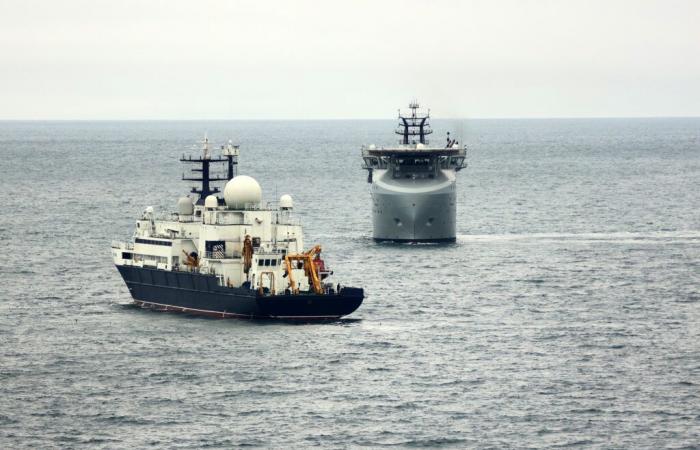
[{"x": 563, "y": 316}]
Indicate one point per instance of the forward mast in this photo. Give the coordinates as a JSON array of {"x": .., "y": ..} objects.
[
  {"x": 414, "y": 124},
  {"x": 204, "y": 175}
]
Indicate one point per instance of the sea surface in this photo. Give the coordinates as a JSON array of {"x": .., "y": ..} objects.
[{"x": 567, "y": 314}]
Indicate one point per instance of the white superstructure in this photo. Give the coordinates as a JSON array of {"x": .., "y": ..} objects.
[{"x": 240, "y": 239}]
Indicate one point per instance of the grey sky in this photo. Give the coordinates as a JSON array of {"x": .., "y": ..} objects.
[{"x": 354, "y": 59}]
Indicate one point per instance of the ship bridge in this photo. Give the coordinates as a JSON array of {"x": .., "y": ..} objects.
[
  {"x": 414, "y": 157},
  {"x": 410, "y": 160}
]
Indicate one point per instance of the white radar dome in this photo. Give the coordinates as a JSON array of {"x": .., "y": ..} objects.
[
  {"x": 242, "y": 191},
  {"x": 286, "y": 202},
  {"x": 185, "y": 206},
  {"x": 211, "y": 202}
]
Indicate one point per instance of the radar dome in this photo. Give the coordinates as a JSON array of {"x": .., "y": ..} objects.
[
  {"x": 286, "y": 202},
  {"x": 211, "y": 202},
  {"x": 242, "y": 191},
  {"x": 185, "y": 206}
]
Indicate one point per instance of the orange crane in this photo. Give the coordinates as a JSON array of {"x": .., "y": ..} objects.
[
  {"x": 247, "y": 254},
  {"x": 310, "y": 269},
  {"x": 192, "y": 259}
]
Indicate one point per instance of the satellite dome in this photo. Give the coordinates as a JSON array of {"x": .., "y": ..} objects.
[
  {"x": 286, "y": 202},
  {"x": 185, "y": 206},
  {"x": 241, "y": 191},
  {"x": 211, "y": 202}
]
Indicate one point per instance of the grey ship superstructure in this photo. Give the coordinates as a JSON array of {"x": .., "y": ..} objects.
[{"x": 413, "y": 184}]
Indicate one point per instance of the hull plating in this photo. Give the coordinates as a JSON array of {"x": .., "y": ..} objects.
[
  {"x": 200, "y": 294},
  {"x": 414, "y": 210}
]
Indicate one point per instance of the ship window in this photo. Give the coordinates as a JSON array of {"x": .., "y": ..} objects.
[
  {"x": 267, "y": 262},
  {"x": 215, "y": 249},
  {"x": 126, "y": 255},
  {"x": 274, "y": 262},
  {"x": 153, "y": 242},
  {"x": 261, "y": 262}
]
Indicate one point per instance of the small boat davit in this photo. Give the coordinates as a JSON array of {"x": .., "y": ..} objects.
[{"x": 229, "y": 255}]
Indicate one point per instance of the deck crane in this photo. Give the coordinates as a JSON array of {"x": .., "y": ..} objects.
[{"x": 310, "y": 269}]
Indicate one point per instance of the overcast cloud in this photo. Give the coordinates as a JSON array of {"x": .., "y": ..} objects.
[{"x": 354, "y": 59}]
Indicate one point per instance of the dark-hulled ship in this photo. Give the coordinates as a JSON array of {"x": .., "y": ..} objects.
[{"x": 225, "y": 254}]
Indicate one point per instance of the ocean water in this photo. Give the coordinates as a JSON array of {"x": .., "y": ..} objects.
[{"x": 567, "y": 314}]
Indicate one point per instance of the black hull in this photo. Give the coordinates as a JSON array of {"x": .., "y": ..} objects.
[
  {"x": 199, "y": 294},
  {"x": 418, "y": 241}
]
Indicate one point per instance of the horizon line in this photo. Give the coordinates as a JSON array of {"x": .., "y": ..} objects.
[{"x": 342, "y": 119}]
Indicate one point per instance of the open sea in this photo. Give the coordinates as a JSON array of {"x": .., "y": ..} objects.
[{"x": 567, "y": 314}]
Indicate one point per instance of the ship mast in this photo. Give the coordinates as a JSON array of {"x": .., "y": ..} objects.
[
  {"x": 231, "y": 154},
  {"x": 203, "y": 175},
  {"x": 414, "y": 125}
]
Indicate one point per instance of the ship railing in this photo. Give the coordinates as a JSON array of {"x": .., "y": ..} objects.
[
  {"x": 204, "y": 270},
  {"x": 123, "y": 245},
  {"x": 292, "y": 239},
  {"x": 175, "y": 217},
  {"x": 453, "y": 162},
  {"x": 229, "y": 219},
  {"x": 412, "y": 130},
  {"x": 255, "y": 207},
  {"x": 222, "y": 255},
  {"x": 287, "y": 221}
]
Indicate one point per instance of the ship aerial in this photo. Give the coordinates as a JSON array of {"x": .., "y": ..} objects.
[
  {"x": 226, "y": 254},
  {"x": 413, "y": 184}
]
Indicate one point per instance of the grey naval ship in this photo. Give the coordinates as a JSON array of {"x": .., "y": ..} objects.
[
  {"x": 226, "y": 254},
  {"x": 413, "y": 184}
]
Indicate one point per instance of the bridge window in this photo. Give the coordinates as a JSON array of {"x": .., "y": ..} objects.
[{"x": 153, "y": 242}]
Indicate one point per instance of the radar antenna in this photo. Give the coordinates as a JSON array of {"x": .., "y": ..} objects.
[
  {"x": 202, "y": 173},
  {"x": 415, "y": 124}
]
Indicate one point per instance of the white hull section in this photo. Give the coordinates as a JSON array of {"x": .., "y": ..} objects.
[{"x": 422, "y": 209}]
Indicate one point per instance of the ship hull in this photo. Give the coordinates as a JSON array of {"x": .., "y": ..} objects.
[
  {"x": 200, "y": 294},
  {"x": 426, "y": 213}
]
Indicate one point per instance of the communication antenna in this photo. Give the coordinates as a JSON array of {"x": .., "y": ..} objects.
[{"x": 205, "y": 146}]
